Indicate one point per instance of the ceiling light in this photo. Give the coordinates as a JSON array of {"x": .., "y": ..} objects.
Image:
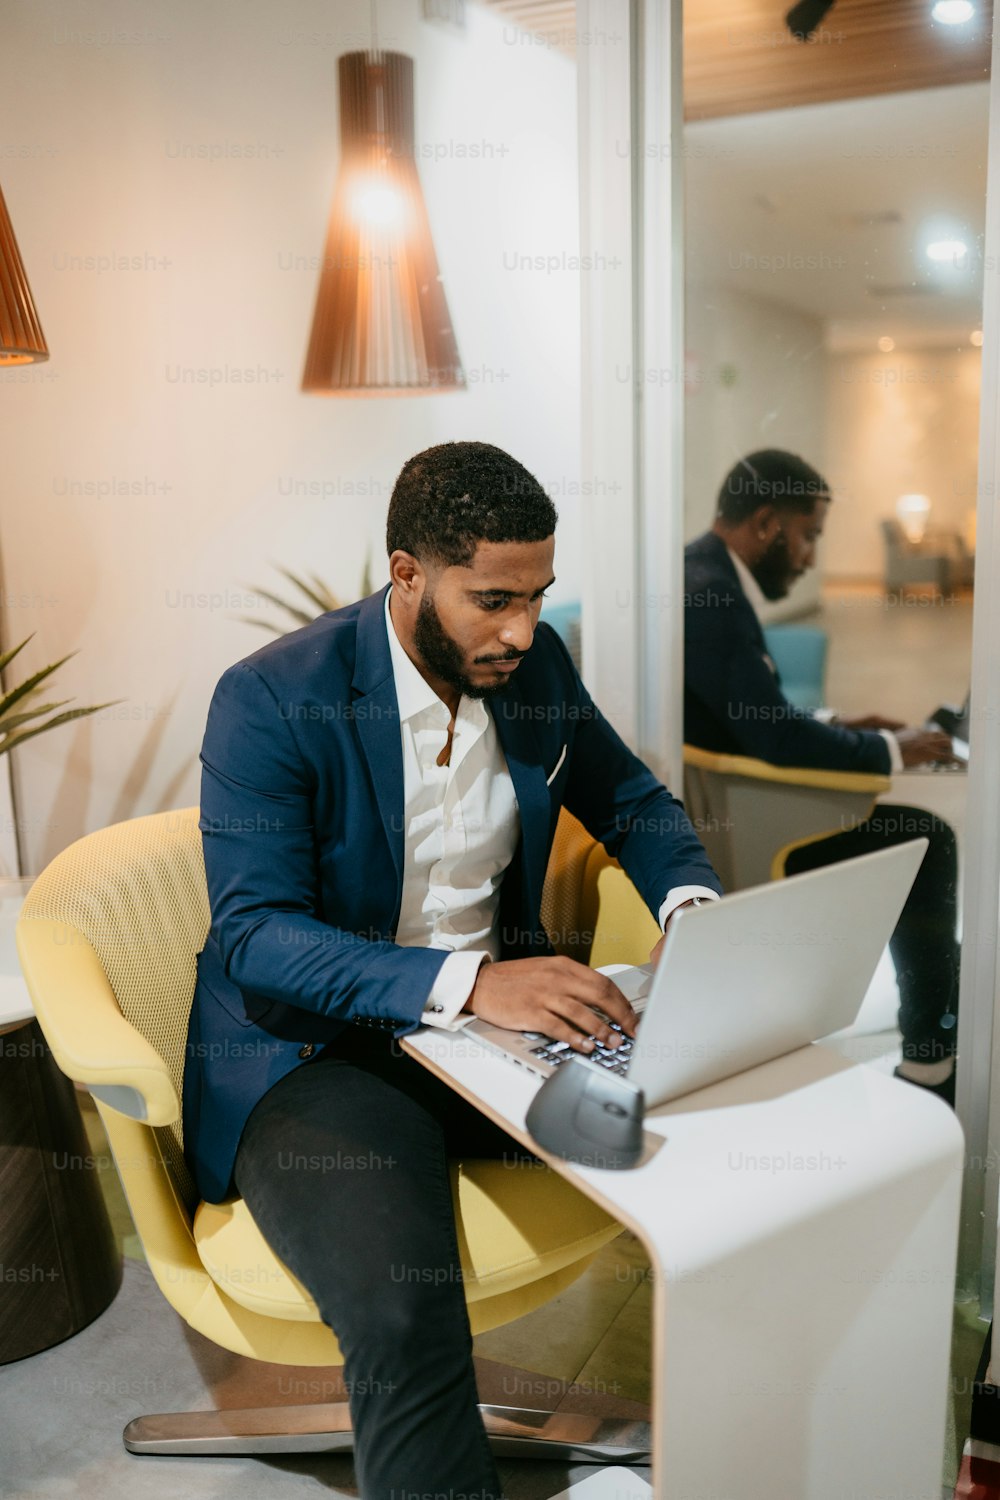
[
  {"x": 945, "y": 250},
  {"x": 22, "y": 341},
  {"x": 912, "y": 512},
  {"x": 952, "y": 12},
  {"x": 381, "y": 325}
]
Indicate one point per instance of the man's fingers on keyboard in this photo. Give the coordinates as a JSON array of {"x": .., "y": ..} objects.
[
  {"x": 598, "y": 991},
  {"x": 614, "y": 1005},
  {"x": 588, "y": 1026}
]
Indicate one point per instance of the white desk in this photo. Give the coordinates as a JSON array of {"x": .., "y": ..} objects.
[{"x": 801, "y": 1221}]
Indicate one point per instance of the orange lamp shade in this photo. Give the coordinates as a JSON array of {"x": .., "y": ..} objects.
[
  {"x": 381, "y": 325},
  {"x": 22, "y": 341}
]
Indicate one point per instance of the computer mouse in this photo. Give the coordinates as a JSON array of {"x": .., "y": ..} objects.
[{"x": 586, "y": 1115}]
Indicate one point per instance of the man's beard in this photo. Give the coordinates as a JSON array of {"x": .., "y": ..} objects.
[
  {"x": 773, "y": 571},
  {"x": 444, "y": 657}
]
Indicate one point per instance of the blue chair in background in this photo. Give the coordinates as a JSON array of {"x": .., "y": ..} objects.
[
  {"x": 799, "y": 653},
  {"x": 565, "y": 621}
]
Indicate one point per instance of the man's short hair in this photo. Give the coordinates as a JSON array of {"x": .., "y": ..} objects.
[
  {"x": 450, "y": 498},
  {"x": 770, "y": 477}
]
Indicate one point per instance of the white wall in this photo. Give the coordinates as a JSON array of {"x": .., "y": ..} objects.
[
  {"x": 755, "y": 379},
  {"x": 896, "y": 424},
  {"x": 125, "y": 134}
]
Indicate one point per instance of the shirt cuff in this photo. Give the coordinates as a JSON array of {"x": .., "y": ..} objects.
[
  {"x": 895, "y": 754},
  {"x": 678, "y": 896},
  {"x": 451, "y": 989}
]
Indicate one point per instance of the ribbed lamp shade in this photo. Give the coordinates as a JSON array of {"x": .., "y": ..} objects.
[
  {"x": 381, "y": 324},
  {"x": 22, "y": 341}
]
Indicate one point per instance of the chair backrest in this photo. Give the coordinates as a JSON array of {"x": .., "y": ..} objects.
[
  {"x": 137, "y": 893},
  {"x": 562, "y": 904},
  {"x": 747, "y": 812},
  {"x": 590, "y": 909}
]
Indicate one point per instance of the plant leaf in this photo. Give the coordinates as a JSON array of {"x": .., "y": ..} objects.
[
  {"x": 264, "y": 624},
  {"x": 330, "y": 599},
  {"x": 12, "y": 722},
  {"x": 297, "y": 614},
  {"x": 8, "y": 741},
  {"x": 321, "y": 601},
  {"x": 16, "y": 694},
  {"x": 8, "y": 656}
]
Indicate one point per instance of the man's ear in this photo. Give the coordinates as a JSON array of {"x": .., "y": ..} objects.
[
  {"x": 762, "y": 521},
  {"x": 407, "y": 574}
]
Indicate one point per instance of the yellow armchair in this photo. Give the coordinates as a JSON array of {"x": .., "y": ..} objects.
[
  {"x": 108, "y": 940},
  {"x": 749, "y": 814}
]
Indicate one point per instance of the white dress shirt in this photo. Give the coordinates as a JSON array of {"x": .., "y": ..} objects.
[
  {"x": 758, "y": 603},
  {"x": 461, "y": 828}
]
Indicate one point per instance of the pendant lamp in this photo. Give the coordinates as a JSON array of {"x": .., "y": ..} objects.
[
  {"x": 22, "y": 341},
  {"x": 381, "y": 325}
]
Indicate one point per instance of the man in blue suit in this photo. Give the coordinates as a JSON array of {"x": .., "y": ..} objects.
[
  {"x": 379, "y": 796},
  {"x": 772, "y": 507}
]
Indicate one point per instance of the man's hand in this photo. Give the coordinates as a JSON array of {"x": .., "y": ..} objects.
[
  {"x": 918, "y": 746},
  {"x": 870, "y": 721},
  {"x": 555, "y": 996}
]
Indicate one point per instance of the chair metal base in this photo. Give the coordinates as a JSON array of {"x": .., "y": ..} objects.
[{"x": 514, "y": 1432}]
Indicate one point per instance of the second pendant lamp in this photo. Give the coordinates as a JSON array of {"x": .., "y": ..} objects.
[{"x": 381, "y": 325}]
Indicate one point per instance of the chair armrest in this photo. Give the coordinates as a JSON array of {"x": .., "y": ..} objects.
[
  {"x": 869, "y": 782},
  {"x": 91, "y": 1040}
]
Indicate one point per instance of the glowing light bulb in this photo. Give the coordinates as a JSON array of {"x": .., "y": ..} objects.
[
  {"x": 944, "y": 250},
  {"x": 953, "y": 12},
  {"x": 377, "y": 203}
]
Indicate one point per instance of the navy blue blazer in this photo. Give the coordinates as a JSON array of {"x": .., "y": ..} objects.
[
  {"x": 733, "y": 703},
  {"x": 303, "y": 830}
]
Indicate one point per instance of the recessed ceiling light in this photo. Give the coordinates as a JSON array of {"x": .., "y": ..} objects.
[
  {"x": 953, "y": 12},
  {"x": 976, "y": 337},
  {"x": 886, "y": 344},
  {"x": 942, "y": 250}
]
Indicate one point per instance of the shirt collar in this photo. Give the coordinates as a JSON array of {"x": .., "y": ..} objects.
[
  {"x": 414, "y": 693},
  {"x": 748, "y": 583}
]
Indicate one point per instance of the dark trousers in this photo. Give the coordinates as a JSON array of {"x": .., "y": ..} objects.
[
  {"x": 923, "y": 944},
  {"x": 344, "y": 1166}
]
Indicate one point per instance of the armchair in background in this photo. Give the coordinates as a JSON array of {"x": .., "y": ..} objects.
[
  {"x": 940, "y": 558},
  {"x": 749, "y": 813}
]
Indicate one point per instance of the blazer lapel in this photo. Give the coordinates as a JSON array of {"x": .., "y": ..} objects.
[
  {"x": 376, "y": 714},
  {"x": 521, "y": 750},
  {"x": 726, "y": 562}
]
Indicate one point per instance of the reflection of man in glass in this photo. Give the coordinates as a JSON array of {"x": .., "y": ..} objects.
[{"x": 771, "y": 511}]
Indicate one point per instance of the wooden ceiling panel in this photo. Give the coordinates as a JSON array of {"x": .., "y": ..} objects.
[{"x": 740, "y": 58}]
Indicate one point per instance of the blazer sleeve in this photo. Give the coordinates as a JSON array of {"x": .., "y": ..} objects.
[
  {"x": 622, "y": 804},
  {"x": 725, "y": 670},
  {"x": 261, "y": 864}
]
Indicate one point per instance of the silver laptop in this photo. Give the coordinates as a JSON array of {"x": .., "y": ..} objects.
[{"x": 744, "y": 979}]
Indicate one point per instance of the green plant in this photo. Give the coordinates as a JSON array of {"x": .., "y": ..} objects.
[
  {"x": 318, "y": 599},
  {"x": 16, "y": 716}
]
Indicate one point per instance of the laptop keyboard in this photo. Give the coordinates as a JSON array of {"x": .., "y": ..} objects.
[{"x": 613, "y": 1059}]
